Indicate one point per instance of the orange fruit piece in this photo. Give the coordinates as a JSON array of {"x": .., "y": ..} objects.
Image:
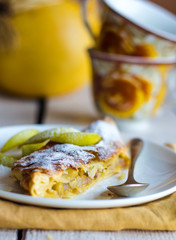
[
  {"x": 145, "y": 50},
  {"x": 123, "y": 97}
]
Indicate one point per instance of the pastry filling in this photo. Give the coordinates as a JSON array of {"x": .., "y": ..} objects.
[{"x": 71, "y": 182}]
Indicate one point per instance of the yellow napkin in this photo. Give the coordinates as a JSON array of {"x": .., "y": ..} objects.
[{"x": 157, "y": 215}]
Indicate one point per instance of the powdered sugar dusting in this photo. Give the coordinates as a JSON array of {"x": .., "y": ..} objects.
[
  {"x": 108, "y": 131},
  {"x": 60, "y": 156}
]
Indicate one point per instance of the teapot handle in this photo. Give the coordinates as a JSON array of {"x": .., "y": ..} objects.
[{"x": 85, "y": 20}]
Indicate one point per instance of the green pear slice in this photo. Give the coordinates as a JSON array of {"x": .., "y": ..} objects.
[
  {"x": 6, "y": 160},
  {"x": 30, "y": 148},
  {"x": 49, "y": 134},
  {"x": 19, "y": 139},
  {"x": 77, "y": 138}
]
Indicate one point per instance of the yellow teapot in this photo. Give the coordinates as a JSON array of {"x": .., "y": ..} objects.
[{"x": 48, "y": 54}]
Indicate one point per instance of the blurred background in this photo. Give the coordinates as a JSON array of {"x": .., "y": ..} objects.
[
  {"x": 169, "y": 4},
  {"x": 43, "y": 56}
]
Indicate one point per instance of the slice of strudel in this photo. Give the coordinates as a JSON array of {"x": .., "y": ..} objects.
[{"x": 66, "y": 170}]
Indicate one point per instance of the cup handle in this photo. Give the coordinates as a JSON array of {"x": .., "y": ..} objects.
[{"x": 85, "y": 20}]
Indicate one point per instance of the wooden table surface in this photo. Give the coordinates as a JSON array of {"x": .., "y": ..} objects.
[{"x": 77, "y": 108}]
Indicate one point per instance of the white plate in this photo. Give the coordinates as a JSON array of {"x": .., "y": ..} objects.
[{"x": 156, "y": 166}]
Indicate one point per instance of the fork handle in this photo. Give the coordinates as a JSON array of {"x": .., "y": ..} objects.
[{"x": 136, "y": 145}]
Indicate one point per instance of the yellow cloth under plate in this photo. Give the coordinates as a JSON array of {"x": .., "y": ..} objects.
[{"x": 157, "y": 215}]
